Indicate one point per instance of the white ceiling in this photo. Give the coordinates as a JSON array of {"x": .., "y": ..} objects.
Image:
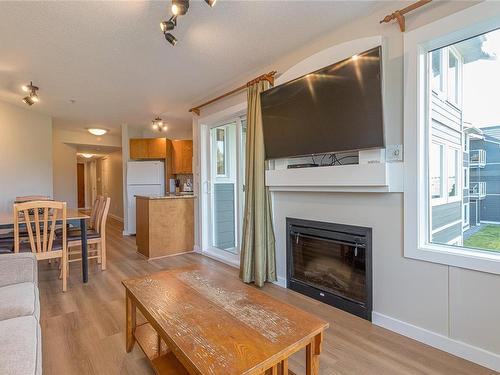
[{"x": 112, "y": 59}]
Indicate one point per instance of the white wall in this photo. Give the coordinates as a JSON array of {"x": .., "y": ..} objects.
[
  {"x": 64, "y": 144},
  {"x": 451, "y": 308},
  {"x": 110, "y": 167},
  {"x": 25, "y": 154},
  {"x": 127, "y": 133},
  {"x": 184, "y": 133},
  {"x": 64, "y": 167}
]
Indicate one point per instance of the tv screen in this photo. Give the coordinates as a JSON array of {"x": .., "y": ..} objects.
[{"x": 337, "y": 108}]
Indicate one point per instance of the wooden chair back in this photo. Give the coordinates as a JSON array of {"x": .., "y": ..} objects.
[
  {"x": 30, "y": 198},
  {"x": 102, "y": 216},
  {"x": 40, "y": 218},
  {"x": 95, "y": 210}
]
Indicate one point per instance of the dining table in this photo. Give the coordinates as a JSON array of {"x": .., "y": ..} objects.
[{"x": 74, "y": 217}]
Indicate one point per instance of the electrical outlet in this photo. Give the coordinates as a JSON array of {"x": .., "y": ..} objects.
[{"x": 394, "y": 153}]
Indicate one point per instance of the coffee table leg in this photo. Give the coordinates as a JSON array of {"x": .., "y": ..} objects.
[
  {"x": 283, "y": 367},
  {"x": 131, "y": 323},
  {"x": 313, "y": 350}
]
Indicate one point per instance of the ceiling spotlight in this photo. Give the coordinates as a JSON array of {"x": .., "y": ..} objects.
[
  {"x": 87, "y": 156},
  {"x": 97, "y": 131},
  {"x": 32, "y": 98},
  {"x": 168, "y": 25},
  {"x": 28, "y": 100},
  {"x": 211, "y": 2},
  {"x": 171, "y": 39},
  {"x": 180, "y": 7}
]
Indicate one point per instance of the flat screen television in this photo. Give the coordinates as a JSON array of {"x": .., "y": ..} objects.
[{"x": 334, "y": 109}]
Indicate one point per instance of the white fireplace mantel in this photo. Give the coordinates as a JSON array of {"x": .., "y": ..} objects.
[{"x": 362, "y": 178}]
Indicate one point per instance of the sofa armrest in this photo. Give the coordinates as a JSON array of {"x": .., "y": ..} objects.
[{"x": 18, "y": 268}]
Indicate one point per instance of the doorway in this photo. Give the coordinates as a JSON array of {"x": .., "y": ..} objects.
[
  {"x": 223, "y": 176},
  {"x": 80, "y": 177}
]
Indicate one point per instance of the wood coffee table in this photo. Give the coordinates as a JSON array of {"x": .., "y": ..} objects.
[{"x": 200, "y": 321}]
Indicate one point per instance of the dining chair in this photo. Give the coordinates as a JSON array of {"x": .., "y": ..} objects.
[
  {"x": 75, "y": 231},
  {"x": 95, "y": 237},
  {"x": 30, "y": 198},
  {"x": 40, "y": 218},
  {"x": 9, "y": 235}
]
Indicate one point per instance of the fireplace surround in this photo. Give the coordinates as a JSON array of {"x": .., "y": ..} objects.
[{"x": 331, "y": 263}]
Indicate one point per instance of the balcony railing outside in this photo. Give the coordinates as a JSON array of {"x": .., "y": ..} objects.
[
  {"x": 477, "y": 158},
  {"x": 477, "y": 190}
]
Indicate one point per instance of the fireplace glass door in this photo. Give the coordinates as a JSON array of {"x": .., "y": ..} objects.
[{"x": 330, "y": 265}]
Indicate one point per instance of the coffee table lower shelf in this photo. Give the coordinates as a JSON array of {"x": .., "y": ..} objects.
[{"x": 161, "y": 358}]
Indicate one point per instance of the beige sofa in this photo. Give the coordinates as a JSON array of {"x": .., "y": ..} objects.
[{"x": 20, "y": 333}]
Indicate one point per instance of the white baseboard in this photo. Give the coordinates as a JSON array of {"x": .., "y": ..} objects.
[
  {"x": 212, "y": 255},
  {"x": 280, "y": 282},
  {"x": 447, "y": 344}
]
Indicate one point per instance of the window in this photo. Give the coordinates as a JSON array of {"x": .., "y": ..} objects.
[
  {"x": 437, "y": 70},
  {"x": 221, "y": 151},
  {"x": 453, "y": 78},
  {"x": 436, "y": 170},
  {"x": 452, "y": 173},
  {"x": 449, "y": 97}
]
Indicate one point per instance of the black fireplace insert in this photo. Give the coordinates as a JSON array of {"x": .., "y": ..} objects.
[{"x": 331, "y": 263}]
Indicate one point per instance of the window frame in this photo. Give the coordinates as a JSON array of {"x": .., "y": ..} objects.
[
  {"x": 225, "y": 174},
  {"x": 464, "y": 222},
  {"x": 458, "y": 103},
  {"x": 442, "y": 197},
  {"x": 475, "y": 20},
  {"x": 458, "y": 174},
  {"x": 441, "y": 93}
]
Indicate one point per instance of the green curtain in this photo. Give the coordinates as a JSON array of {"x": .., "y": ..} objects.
[{"x": 258, "y": 254}]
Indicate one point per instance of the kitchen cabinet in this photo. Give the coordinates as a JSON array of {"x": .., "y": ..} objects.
[
  {"x": 182, "y": 156},
  {"x": 148, "y": 148}
]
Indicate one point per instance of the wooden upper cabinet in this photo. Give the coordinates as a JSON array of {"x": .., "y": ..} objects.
[
  {"x": 138, "y": 148},
  {"x": 148, "y": 148},
  {"x": 182, "y": 157},
  {"x": 157, "y": 148}
]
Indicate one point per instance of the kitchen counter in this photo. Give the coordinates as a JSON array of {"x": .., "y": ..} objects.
[
  {"x": 164, "y": 225},
  {"x": 170, "y": 196}
]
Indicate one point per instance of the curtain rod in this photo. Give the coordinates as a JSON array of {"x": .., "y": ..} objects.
[
  {"x": 264, "y": 77},
  {"x": 399, "y": 14}
]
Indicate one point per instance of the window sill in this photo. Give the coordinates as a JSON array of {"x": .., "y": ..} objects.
[{"x": 477, "y": 260}]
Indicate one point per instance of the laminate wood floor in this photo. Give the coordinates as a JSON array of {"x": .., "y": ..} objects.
[{"x": 83, "y": 329}]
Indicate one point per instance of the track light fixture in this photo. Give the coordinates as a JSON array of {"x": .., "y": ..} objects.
[
  {"x": 179, "y": 8},
  {"x": 159, "y": 125},
  {"x": 168, "y": 25},
  {"x": 32, "y": 97},
  {"x": 171, "y": 39}
]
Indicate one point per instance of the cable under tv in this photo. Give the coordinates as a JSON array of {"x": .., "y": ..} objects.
[{"x": 303, "y": 165}]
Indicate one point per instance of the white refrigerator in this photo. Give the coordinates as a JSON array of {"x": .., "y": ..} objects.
[{"x": 143, "y": 178}]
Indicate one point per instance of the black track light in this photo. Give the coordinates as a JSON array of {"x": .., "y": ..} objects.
[
  {"x": 211, "y": 2},
  {"x": 180, "y": 7},
  {"x": 171, "y": 39},
  {"x": 32, "y": 98},
  {"x": 168, "y": 25}
]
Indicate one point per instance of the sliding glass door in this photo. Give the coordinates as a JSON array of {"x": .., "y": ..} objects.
[{"x": 224, "y": 187}]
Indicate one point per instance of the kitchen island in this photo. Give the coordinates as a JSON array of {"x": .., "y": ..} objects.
[{"x": 165, "y": 225}]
